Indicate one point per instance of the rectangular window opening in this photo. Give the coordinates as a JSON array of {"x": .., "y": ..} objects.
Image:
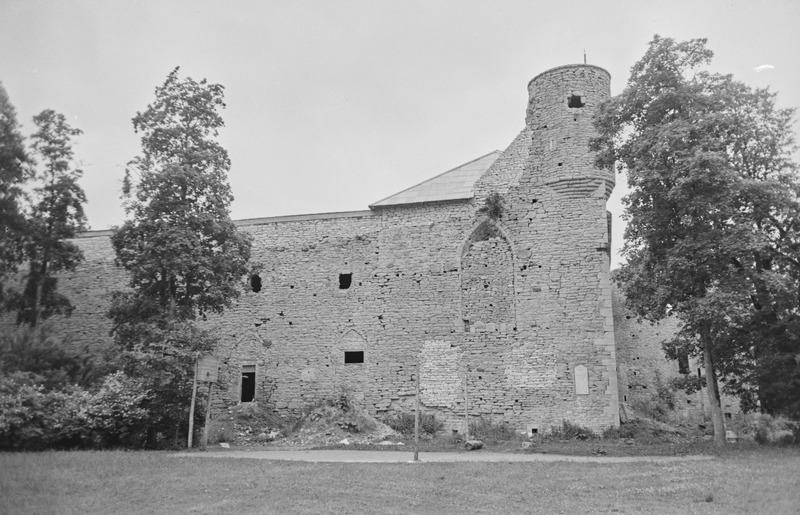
[
  {"x": 575, "y": 101},
  {"x": 353, "y": 356},
  {"x": 345, "y": 280},
  {"x": 248, "y": 383}
]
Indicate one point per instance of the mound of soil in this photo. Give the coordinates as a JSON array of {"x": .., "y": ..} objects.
[
  {"x": 330, "y": 425},
  {"x": 322, "y": 426}
]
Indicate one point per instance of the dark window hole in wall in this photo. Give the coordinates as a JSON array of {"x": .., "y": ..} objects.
[
  {"x": 729, "y": 415},
  {"x": 683, "y": 364},
  {"x": 353, "y": 356},
  {"x": 575, "y": 101},
  {"x": 624, "y": 398},
  {"x": 255, "y": 283},
  {"x": 345, "y": 280},
  {"x": 534, "y": 430},
  {"x": 560, "y": 164},
  {"x": 248, "y": 383}
]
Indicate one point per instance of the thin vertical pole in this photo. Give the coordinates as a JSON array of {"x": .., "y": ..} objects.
[
  {"x": 208, "y": 416},
  {"x": 466, "y": 405},
  {"x": 191, "y": 407},
  {"x": 416, "y": 419}
]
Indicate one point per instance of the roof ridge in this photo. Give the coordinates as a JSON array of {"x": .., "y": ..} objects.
[{"x": 436, "y": 177}]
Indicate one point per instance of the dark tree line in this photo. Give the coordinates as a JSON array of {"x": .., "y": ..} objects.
[{"x": 713, "y": 221}]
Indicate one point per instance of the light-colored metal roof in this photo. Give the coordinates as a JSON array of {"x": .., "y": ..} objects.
[{"x": 453, "y": 184}]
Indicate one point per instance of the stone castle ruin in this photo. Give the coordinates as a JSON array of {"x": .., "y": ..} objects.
[{"x": 511, "y": 313}]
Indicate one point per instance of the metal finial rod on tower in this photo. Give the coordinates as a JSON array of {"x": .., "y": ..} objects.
[{"x": 584, "y": 56}]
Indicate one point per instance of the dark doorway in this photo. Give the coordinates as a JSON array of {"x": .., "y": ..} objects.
[{"x": 248, "y": 383}]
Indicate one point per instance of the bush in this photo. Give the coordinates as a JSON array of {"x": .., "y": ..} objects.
[
  {"x": 570, "y": 431},
  {"x": 220, "y": 431},
  {"x": 492, "y": 432},
  {"x": 403, "y": 423},
  {"x": 51, "y": 360},
  {"x": 775, "y": 430},
  {"x": 110, "y": 415},
  {"x": 659, "y": 406}
]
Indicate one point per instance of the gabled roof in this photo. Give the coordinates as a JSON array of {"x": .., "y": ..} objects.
[{"x": 453, "y": 184}]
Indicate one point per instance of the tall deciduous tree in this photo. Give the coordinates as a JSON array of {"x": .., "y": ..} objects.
[
  {"x": 712, "y": 217},
  {"x": 13, "y": 174},
  {"x": 55, "y": 217},
  {"x": 184, "y": 255}
]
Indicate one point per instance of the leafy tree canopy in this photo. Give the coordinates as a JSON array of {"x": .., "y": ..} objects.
[
  {"x": 13, "y": 173},
  {"x": 712, "y": 218},
  {"x": 184, "y": 255},
  {"x": 56, "y": 215},
  {"x": 183, "y": 252}
]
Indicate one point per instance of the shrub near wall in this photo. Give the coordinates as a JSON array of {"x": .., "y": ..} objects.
[{"x": 111, "y": 415}]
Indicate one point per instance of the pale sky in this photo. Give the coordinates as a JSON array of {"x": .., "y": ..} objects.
[{"x": 333, "y": 105}]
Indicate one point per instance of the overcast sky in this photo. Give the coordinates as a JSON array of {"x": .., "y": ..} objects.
[{"x": 333, "y": 105}]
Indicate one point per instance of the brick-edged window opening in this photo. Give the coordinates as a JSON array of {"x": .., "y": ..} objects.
[
  {"x": 353, "y": 356},
  {"x": 248, "y": 383},
  {"x": 683, "y": 364},
  {"x": 255, "y": 283},
  {"x": 345, "y": 280},
  {"x": 575, "y": 101}
]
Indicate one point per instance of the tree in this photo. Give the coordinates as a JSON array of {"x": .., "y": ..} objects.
[
  {"x": 55, "y": 217},
  {"x": 712, "y": 217},
  {"x": 184, "y": 255},
  {"x": 13, "y": 174}
]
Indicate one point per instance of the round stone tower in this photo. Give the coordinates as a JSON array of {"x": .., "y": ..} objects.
[{"x": 561, "y": 103}]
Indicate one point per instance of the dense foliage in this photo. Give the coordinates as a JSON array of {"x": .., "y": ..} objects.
[
  {"x": 13, "y": 174},
  {"x": 112, "y": 414},
  {"x": 184, "y": 255},
  {"x": 713, "y": 224},
  {"x": 49, "y": 360},
  {"x": 36, "y": 228}
]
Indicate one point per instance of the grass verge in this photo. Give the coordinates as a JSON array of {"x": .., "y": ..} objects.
[{"x": 762, "y": 481}]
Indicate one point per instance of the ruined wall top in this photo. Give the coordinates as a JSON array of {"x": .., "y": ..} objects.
[{"x": 555, "y": 92}]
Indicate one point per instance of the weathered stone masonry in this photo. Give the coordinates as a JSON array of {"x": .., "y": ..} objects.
[{"x": 516, "y": 311}]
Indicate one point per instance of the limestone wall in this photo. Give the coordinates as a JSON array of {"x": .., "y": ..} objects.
[{"x": 510, "y": 316}]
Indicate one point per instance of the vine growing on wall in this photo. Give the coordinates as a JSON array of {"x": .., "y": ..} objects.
[{"x": 493, "y": 206}]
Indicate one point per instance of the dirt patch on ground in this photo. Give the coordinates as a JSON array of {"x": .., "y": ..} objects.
[{"x": 325, "y": 425}]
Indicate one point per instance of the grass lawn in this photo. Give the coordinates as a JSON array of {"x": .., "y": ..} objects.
[{"x": 747, "y": 481}]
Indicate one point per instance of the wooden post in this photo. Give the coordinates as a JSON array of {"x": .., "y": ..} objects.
[
  {"x": 208, "y": 416},
  {"x": 191, "y": 407},
  {"x": 416, "y": 419},
  {"x": 466, "y": 405}
]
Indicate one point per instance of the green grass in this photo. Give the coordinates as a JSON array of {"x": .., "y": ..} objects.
[{"x": 747, "y": 481}]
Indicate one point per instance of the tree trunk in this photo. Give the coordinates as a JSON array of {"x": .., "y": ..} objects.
[
  {"x": 38, "y": 294},
  {"x": 713, "y": 394}
]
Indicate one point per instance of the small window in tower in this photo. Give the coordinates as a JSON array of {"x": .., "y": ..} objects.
[
  {"x": 353, "y": 356},
  {"x": 345, "y": 280},
  {"x": 255, "y": 283},
  {"x": 248, "y": 383},
  {"x": 575, "y": 101}
]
